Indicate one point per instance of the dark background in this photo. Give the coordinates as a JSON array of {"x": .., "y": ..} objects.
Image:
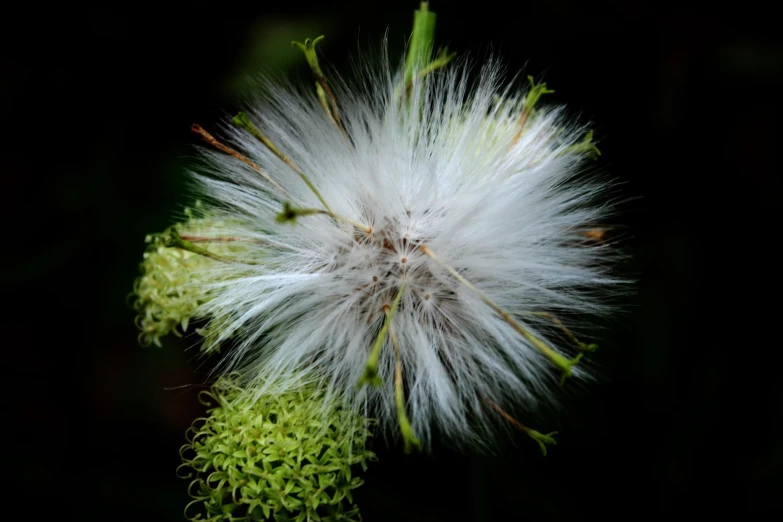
[{"x": 96, "y": 107}]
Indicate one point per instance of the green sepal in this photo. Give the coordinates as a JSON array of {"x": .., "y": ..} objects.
[
  {"x": 542, "y": 439},
  {"x": 288, "y": 214},
  {"x": 242, "y": 120},
  {"x": 308, "y": 48},
  {"x": 588, "y": 347},
  {"x": 585, "y": 146},
  {"x": 536, "y": 91},
  {"x": 566, "y": 365}
]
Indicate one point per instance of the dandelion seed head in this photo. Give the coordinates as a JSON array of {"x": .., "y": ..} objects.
[{"x": 459, "y": 169}]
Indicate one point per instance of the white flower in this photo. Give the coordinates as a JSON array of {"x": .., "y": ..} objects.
[{"x": 464, "y": 203}]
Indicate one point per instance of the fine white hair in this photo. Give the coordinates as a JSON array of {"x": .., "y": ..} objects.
[{"x": 443, "y": 165}]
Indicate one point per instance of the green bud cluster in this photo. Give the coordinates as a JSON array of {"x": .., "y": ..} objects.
[
  {"x": 172, "y": 284},
  {"x": 281, "y": 458}
]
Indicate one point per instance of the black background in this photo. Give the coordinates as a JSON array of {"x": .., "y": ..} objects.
[{"x": 96, "y": 106}]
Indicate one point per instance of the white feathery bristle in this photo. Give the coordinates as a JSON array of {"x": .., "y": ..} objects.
[{"x": 508, "y": 212}]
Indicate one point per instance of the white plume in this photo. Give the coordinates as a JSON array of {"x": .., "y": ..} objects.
[{"x": 448, "y": 169}]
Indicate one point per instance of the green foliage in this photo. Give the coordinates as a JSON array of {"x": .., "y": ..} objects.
[{"x": 282, "y": 458}]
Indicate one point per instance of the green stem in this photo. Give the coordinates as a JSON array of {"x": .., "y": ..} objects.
[
  {"x": 325, "y": 94},
  {"x": 290, "y": 213},
  {"x": 442, "y": 60},
  {"x": 585, "y": 347},
  {"x": 408, "y": 435},
  {"x": 242, "y": 120},
  {"x": 564, "y": 364},
  {"x": 422, "y": 40},
  {"x": 370, "y": 375},
  {"x": 175, "y": 241}
]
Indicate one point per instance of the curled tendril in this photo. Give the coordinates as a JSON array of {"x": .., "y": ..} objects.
[{"x": 206, "y": 402}]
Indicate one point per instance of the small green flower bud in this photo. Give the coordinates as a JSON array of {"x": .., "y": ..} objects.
[
  {"x": 273, "y": 458},
  {"x": 175, "y": 277}
]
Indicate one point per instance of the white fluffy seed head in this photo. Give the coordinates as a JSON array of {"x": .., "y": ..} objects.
[{"x": 449, "y": 170}]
